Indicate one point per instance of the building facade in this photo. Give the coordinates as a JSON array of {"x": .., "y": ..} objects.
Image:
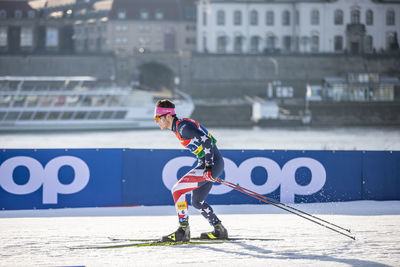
[
  {"x": 140, "y": 26},
  {"x": 309, "y": 26},
  {"x": 97, "y": 26},
  {"x": 18, "y": 30},
  {"x": 39, "y": 26}
]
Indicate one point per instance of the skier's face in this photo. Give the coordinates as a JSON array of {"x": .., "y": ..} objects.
[{"x": 163, "y": 121}]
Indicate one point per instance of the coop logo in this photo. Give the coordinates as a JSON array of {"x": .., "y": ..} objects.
[
  {"x": 46, "y": 177},
  {"x": 241, "y": 175}
]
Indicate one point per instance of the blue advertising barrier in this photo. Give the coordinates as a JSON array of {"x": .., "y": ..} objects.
[
  {"x": 149, "y": 172},
  {"x": 381, "y": 175},
  {"x": 57, "y": 178}
]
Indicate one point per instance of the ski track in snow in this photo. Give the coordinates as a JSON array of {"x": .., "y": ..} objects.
[{"x": 42, "y": 237}]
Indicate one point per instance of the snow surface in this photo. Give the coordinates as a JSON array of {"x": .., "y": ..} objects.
[
  {"x": 297, "y": 138},
  {"x": 42, "y": 237}
]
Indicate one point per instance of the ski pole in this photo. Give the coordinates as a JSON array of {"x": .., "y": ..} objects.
[
  {"x": 278, "y": 206},
  {"x": 290, "y": 207}
]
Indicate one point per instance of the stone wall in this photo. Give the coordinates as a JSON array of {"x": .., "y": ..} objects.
[
  {"x": 101, "y": 67},
  {"x": 237, "y": 76},
  {"x": 209, "y": 76}
]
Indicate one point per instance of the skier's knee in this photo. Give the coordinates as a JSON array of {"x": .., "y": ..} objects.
[{"x": 196, "y": 203}]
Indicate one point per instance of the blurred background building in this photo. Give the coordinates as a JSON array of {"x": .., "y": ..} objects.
[
  {"x": 81, "y": 26},
  {"x": 229, "y": 26},
  {"x": 266, "y": 60}
]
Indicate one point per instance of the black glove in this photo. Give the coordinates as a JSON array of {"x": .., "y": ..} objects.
[{"x": 207, "y": 173}]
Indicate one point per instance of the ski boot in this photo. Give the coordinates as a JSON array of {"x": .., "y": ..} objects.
[
  {"x": 180, "y": 235},
  {"x": 219, "y": 233}
]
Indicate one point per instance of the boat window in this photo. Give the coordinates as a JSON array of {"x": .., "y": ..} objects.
[
  {"x": 54, "y": 115},
  {"x": 67, "y": 115},
  {"x": 120, "y": 114},
  {"x": 32, "y": 100},
  {"x": 94, "y": 115},
  {"x": 12, "y": 116},
  {"x": 80, "y": 115},
  {"x": 19, "y": 101},
  {"x": 40, "y": 115},
  {"x": 26, "y": 116},
  {"x": 107, "y": 115},
  {"x": 5, "y": 100}
]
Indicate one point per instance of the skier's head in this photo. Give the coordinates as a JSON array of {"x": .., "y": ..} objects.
[{"x": 164, "y": 113}]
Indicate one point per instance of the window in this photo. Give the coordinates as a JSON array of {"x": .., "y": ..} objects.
[
  {"x": 269, "y": 18},
  {"x": 190, "y": 12},
  {"x": 286, "y": 18},
  {"x": 238, "y": 44},
  {"x": 315, "y": 43},
  {"x": 122, "y": 28},
  {"x": 3, "y": 36},
  {"x": 390, "y": 17},
  {"x": 204, "y": 18},
  {"x": 271, "y": 41},
  {"x": 190, "y": 28},
  {"x": 121, "y": 14},
  {"x": 253, "y": 17},
  {"x": 369, "y": 44},
  {"x": 304, "y": 41},
  {"x": 314, "y": 17},
  {"x": 254, "y": 44},
  {"x": 3, "y": 14},
  {"x": 18, "y": 14},
  {"x": 338, "y": 17},
  {"x": 31, "y": 14},
  {"x": 159, "y": 14},
  {"x": 220, "y": 17},
  {"x": 390, "y": 41},
  {"x": 144, "y": 14},
  {"x": 205, "y": 50},
  {"x": 338, "y": 43},
  {"x": 237, "y": 17},
  {"x": 124, "y": 40},
  {"x": 26, "y": 37},
  {"x": 190, "y": 41},
  {"x": 221, "y": 44},
  {"x": 355, "y": 16},
  {"x": 287, "y": 43},
  {"x": 369, "y": 17},
  {"x": 51, "y": 37},
  {"x": 297, "y": 18}
]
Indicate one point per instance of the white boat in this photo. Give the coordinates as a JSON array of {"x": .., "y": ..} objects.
[{"x": 78, "y": 102}]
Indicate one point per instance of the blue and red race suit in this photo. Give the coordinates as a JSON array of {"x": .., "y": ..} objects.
[{"x": 201, "y": 143}]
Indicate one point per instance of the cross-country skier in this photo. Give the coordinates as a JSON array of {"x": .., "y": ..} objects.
[{"x": 199, "y": 180}]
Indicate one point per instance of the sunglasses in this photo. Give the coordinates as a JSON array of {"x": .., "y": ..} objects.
[{"x": 158, "y": 118}]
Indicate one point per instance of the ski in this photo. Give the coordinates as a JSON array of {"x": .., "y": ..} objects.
[
  {"x": 198, "y": 239},
  {"x": 150, "y": 243}
]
